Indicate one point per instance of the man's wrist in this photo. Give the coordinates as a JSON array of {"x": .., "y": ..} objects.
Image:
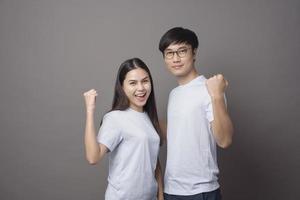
[{"x": 217, "y": 97}]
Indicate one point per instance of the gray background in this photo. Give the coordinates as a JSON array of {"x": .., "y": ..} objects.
[{"x": 53, "y": 51}]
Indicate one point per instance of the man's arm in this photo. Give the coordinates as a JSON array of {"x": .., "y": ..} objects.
[{"x": 221, "y": 125}]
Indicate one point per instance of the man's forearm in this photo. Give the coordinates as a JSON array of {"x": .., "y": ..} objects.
[{"x": 222, "y": 124}]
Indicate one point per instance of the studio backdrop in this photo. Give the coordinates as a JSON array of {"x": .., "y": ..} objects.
[{"x": 53, "y": 51}]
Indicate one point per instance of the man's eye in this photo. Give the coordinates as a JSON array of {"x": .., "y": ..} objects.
[
  {"x": 169, "y": 53},
  {"x": 182, "y": 51},
  {"x": 146, "y": 81},
  {"x": 132, "y": 83}
]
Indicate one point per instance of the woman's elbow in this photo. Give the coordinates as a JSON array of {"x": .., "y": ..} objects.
[{"x": 91, "y": 160}]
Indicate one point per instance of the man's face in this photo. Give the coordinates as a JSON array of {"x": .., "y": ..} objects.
[{"x": 179, "y": 59}]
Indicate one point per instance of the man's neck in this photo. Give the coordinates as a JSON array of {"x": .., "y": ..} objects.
[{"x": 187, "y": 78}]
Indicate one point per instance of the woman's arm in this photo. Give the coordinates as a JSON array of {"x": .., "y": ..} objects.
[
  {"x": 93, "y": 150},
  {"x": 159, "y": 179},
  {"x": 163, "y": 128}
]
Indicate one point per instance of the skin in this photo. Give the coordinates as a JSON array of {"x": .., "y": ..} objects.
[
  {"x": 184, "y": 70},
  {"x": 137, "y": 87}
]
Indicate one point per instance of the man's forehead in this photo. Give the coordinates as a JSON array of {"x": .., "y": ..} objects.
[{"x": 175, "y": 46}]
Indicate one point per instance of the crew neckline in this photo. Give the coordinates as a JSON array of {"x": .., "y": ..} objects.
[
  {"x": 135, "y": 111},
  {"x": 200, "y": 77}
]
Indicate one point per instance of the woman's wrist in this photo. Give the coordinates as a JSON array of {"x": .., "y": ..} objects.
[{"x": 90, "y": 110}]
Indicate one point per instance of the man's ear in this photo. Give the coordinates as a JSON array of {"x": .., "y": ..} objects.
[
  {"x": 194, "y": 54},
  {"x": 195, "y": 51}
]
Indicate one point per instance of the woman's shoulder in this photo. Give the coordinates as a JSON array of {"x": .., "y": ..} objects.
[{"x": 114, "y": 115}]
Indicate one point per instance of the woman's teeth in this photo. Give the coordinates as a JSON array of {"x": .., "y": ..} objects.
[{"x": 140, "y": 95}]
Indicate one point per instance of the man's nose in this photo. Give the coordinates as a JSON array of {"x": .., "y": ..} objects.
[{"x": 176, "y": 58}]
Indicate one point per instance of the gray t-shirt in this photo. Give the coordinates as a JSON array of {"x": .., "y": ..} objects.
[
  {"x": 134, "y": 145},
  {"x": 191, "y": 157}
]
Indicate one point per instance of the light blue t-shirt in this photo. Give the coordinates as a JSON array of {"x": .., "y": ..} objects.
[
  {"x": 134, "y": 145},
  {"x": 191, "y": 152}
]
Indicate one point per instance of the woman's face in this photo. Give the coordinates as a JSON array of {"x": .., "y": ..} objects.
[{"x": 137, "y": 87}]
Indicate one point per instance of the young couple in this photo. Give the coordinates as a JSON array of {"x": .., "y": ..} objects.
[{"x": 197, "y": 121}]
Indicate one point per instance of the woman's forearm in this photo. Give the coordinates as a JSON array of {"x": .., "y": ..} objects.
[
  {"x": 92, "y": 149},
  {"x": 159, "y": 179}
]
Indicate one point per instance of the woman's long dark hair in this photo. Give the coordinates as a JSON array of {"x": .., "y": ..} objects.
[{"x": 120, "y": 100}]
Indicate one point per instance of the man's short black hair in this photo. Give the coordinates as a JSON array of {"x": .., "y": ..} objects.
[{"x": 178, "y": 35}]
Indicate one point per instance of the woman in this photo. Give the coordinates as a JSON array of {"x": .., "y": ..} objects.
[{"x": 130, "y": 132}]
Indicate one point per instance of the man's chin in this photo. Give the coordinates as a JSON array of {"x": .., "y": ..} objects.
[{"x": 179, "y": 74}]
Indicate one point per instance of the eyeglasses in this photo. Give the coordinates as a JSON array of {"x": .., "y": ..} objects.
[{"x": 180, "y": 53}]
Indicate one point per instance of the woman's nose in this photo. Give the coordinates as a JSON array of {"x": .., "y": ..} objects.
[{"x": 140, "y": 86}]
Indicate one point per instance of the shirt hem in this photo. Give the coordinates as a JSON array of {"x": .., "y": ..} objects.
[{"x": 204, "y": 188}]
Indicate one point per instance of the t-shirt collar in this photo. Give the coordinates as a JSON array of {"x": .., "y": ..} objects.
[{"x": 200, "y": 78}]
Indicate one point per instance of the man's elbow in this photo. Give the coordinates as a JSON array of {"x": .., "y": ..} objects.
[{"x": 225, "y": 144}]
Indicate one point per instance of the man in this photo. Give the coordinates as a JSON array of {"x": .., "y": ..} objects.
[{"x": 197, "y": 121}]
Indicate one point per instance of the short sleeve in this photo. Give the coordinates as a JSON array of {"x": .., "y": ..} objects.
[
  {"x": 209, "y": 109},
  {"x": 225, "y": 99},
  {"x": 109, "y": 133}
]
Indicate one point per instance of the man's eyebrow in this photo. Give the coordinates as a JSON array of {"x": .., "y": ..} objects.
[{"x": 183, "y": 47}]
